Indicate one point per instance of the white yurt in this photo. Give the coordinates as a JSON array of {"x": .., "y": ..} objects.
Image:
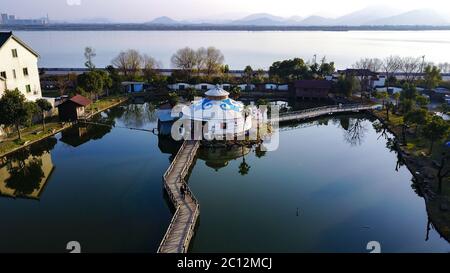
[{"x": 218, "y": 115}]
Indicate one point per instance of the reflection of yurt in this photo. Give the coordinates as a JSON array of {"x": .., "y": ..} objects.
[
  {"x": 218, "y": 158},
  {"x": 218, "y": 115}
]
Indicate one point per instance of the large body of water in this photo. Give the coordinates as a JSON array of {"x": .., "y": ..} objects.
[
  {"x": 332, "y": 186},
  {"x": 258, "y": 49}
]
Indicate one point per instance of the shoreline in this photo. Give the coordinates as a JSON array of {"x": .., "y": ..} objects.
[
  {"x": 421, "y": 180},
  {"x": 65, "y": 126},
  {"x": 212, "y": 27}
]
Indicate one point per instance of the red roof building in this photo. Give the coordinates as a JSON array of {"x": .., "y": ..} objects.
[{"x": 73, "y": 108}]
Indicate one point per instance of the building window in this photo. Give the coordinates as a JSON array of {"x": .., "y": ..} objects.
[
  {"x": 224, "y": 125},
  {"x": 204, "y": 87},
  {"x": 14, "y": 74},
  {"x": 28, "y": 88},
  {"x": 14, "y": 53},
  {"x": 25, "y": 71},
  {"x": 3, "y": 74}
]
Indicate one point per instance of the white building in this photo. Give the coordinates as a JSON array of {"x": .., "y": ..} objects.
[
  {"x": 247, "y": 87},
  {"x": 218, "y": 115},
  {"x": 18, "y": 67},
  {"x": 204, "y": 86},
  {"x": 179, "y": 86}
]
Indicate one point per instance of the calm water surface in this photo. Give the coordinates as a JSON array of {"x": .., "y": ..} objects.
[
  {"x": 331, "y": 186},
  {"x": 241, "y": 48}
]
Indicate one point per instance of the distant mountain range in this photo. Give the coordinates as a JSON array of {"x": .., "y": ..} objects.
[{"x": 372, "y": 16}]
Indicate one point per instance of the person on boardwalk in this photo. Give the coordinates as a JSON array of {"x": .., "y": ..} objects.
[{"x": 182, "y": 191}]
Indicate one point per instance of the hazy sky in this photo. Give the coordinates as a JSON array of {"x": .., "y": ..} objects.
[{"x": 145, "y": 10}]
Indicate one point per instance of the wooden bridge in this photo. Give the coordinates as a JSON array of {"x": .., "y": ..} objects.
[
  {"x": 181, "y": 228},
  {"x": 320, "y": 111}
]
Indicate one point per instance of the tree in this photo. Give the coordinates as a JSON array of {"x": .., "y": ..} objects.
[
  {"x": 248, "y": 74},
  {"x": 409, "y": 92},
  {"x": 94, "y": 82},
  {"x": 150, "y": 65},
  {"x": 44, "y": 106},
  {"x": 422, "y": 101},
  {"x": 325, "y": 68},
  {"x": 200, "y": 59},
  {"x": 213, "y": 61},
  {"x": 173, "y": 99},
  {"x": 185, "y": 59},
  {"x": 435, "y": 130},
  {"x": 410, "y": 66},
  {"x": 445, "y": 108},
  {"x": 417, "y": 117},
  {"x": 289, "y": 70},
  {"x": 89, "y": 54},
  {"x": 367, "y": 67},
  {"x": 384, "y": 96},
  {"x": 129, "y": 63},
  {"x": 235, "y": 92},
  {"x": 13, "y": 109},
  {"x": 390, "y": 66},
  {"x": 396, "y": 97},
  {"x": 432, "y": 77},
  {"x": 345, "y": 85}
]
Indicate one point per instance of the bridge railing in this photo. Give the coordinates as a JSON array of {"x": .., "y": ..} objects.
[
  {"x": 166, "y": 235},
  {"x": 326, "y": 108}
]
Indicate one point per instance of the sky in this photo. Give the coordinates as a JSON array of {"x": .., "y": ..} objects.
[{"x": 146, "y": 10}]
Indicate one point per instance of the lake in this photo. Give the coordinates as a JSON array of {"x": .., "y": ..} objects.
[
  {"x": 332, "y": 186},
  {"x": 256, "y": 48}
]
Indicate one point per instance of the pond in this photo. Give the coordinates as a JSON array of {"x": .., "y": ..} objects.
[{"x": 333, "y": 185}]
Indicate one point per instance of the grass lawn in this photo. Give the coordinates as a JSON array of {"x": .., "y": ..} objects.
[{"x": 29, "y": 134}]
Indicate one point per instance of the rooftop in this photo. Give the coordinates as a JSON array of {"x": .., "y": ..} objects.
[
  {"x": 313, "y": 84},
  {"x": 217, "y": 92}
]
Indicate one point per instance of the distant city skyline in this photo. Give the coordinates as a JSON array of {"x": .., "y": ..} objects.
[{"x": 147, "y": 10}]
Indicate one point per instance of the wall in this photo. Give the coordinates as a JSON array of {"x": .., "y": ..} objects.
[{"x": 25, "y": 59}]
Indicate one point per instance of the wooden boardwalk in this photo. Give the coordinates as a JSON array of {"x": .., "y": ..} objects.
[
  {"x": 181, "y": 228},
  {"x": 320, "y": 111}
]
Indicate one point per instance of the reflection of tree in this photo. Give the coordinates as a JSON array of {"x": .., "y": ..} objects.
[
  {"x": 356, "y": 131},
  {"x": 244, "y": 168},
  {"x": 26, "y": 177},
  {"x": 259, "y": 151},
  {"x": 345, "y": 122},
  {"x": 392, "y": 145},
  {"x": 136, "y": 115},
  {"x": 381, "y": 129}
]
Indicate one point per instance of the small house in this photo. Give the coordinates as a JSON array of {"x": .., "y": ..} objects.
[
  {"x": 73, "y": 108},
  {"x": 133, "y": 87},
  {"x": 204, "y": 86},
  {"x": 283, "y": 87},
  {"x": 312, "y": 89},
  {"x": 225, "y": 86},
  {"x": 247, "y": 87},
  {"x": 179, "y": 86},
  {"x": 270, "y": 86}
]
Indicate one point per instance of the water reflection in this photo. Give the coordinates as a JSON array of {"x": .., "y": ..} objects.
[
  {"x": 219, "y": 157},
  {"x": 138, "y": 115},
  {"x": 25, "y": 173}
]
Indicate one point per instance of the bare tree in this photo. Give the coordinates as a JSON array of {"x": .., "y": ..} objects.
[
  {"x": 200, "y": 59},
  {"x": 214, "y": 61},
  {"x": 367, "y": 66},
  {"x": 149, "y": 65},
  {"x": 185, "y": 59},
  {"x": 89, "y": 54},
  {"x": 128, "y": 62},
  {"x": 391, "y": 65},
  {"x": 444, "y": 67},
  {"x": 410, "y": 66},
  {"x": 63, "y": 84}
]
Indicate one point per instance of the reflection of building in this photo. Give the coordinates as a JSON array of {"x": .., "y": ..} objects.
[
  {"x": 82, "y": 133},
  {"x": 218, "y": 115},
  {"x": 218, "y": 158},
  {"x": 26, "y": 178}
]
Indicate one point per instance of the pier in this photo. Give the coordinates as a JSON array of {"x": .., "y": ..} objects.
[
  {"x": 320, "y": 111},
  {"x": 181, "y": 228}
]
